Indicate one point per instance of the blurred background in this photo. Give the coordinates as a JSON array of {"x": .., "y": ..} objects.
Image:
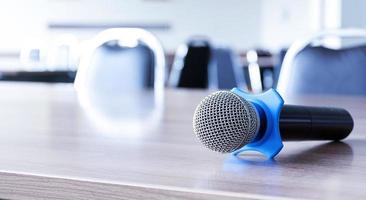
[{"x": 246, "y": 40}]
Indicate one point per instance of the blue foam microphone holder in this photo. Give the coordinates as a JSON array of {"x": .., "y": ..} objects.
[{"x": 270, "y": 142}]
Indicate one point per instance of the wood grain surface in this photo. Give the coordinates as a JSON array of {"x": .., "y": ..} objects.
[{"x": 52, "y": 149}]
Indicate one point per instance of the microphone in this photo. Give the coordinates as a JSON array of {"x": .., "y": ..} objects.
[{"x": 234, "y": 121}]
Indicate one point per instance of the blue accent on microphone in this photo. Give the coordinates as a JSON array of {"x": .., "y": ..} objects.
[{"x": 270, "y": 142}]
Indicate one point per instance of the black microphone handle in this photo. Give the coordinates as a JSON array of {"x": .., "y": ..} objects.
[{"x": 298, "y": 123}]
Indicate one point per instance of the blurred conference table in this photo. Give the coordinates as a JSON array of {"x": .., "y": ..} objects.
[
  {"x": 51, "y": 150},
  {"x": 59, "y": 76}
]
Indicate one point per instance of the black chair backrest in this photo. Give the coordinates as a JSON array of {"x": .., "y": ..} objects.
[{"x": 194, "y": 73}]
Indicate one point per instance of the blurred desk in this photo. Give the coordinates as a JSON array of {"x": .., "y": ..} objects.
[
  {"x": 39, "y": 76},
  {"x": 50, "y": 150}
]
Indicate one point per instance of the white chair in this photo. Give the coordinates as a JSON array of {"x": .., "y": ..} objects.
[{"x": 120, "y": 79}]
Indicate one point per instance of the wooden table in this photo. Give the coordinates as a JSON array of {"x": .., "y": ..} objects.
[{"x": 50, "y": 149}]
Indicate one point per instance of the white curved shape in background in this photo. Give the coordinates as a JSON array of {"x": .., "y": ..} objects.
[{"x": 122, "y": 35}]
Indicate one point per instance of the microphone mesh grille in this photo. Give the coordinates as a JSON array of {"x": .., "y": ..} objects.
[{"x": 224, "y": 122}]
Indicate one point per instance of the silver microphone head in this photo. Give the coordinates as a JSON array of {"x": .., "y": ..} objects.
[{"x": 224, "y": 122}]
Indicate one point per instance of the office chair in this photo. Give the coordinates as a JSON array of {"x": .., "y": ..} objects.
[
  {"x": 190, "y": 66},
  {"x": 224, "y": 70},
  {"x": 121, "y": 76},
  {"x": 117, "y": 67},
  {"x": 309, "y": 69},
  {"x": 198, "y": 65}
]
